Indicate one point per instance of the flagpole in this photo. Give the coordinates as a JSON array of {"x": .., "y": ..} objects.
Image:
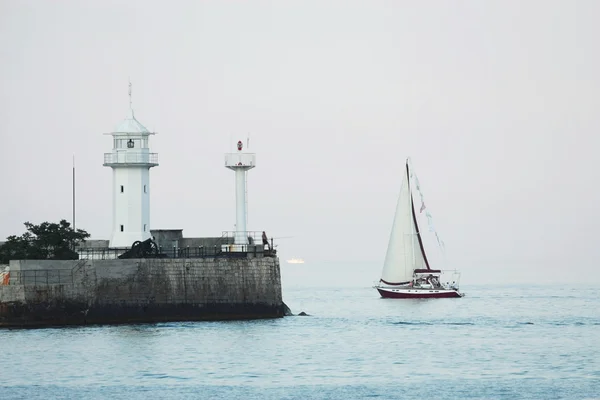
[{"x": 73, "y": 191}]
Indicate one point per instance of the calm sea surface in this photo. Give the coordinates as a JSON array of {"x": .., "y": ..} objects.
[{"x": 497, "y": 342}]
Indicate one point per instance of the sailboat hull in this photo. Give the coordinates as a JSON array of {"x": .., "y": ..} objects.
[{"x": 413, "y": 293}]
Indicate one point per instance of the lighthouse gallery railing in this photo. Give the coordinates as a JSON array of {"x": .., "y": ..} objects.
[{"x": 130, "y": 158}]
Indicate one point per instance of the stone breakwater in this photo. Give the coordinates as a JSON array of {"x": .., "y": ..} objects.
[{"x": 79, "y": 292}]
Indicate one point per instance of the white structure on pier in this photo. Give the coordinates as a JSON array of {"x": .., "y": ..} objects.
[
  {"x": 130, "y": 161},
  {"x": 240, "y": 162}
]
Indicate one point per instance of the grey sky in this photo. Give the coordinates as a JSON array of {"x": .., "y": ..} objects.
[{"x": 496, "y": 102}]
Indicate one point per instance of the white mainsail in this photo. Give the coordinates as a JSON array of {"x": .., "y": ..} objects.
[{"x": 404, "y": 253}]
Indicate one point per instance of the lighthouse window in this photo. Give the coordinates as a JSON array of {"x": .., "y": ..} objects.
[
  {"x": 122, "y": 189},
  {"x": 144, "y": 227},
  {"x": 145, "y": 189},
  {"x": 121, "y": 228}
]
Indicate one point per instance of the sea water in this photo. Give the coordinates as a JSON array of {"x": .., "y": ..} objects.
[{"x": 497, "y": 342}]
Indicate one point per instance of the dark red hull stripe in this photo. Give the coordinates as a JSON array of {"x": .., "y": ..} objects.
[{"x": 413, "y": 295}]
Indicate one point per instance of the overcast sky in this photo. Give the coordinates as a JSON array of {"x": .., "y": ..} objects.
[{"x": 496, "y": 102}]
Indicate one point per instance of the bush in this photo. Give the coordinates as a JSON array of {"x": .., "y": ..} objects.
[{"x": 46, "y": 241}]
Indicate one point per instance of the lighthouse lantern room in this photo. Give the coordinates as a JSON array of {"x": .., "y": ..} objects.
[{"x": 130, "y": 161}]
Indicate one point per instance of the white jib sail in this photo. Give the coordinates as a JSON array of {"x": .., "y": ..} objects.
[{"x": 403, "y": 253}]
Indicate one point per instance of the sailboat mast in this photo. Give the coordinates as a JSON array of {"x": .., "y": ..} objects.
[
  {"x": 412, "y": 236},
  {"x": 414, "y": 216}
]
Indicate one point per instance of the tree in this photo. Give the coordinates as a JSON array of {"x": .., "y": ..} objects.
[{"x": 46, "y": 241}]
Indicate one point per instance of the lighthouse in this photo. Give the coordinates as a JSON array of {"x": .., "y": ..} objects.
[
  {"x": 240, "y": 162},
  {"x": 130, "y": 161}
]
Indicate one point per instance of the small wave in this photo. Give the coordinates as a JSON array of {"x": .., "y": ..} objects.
[
  {"x": 163, "y": 376},
  {"x": 576, "y": 323},
  {"x": 155, "y": 376},
  {"x": 507, "y": 324},
  {"x": 431, "y": 323}
]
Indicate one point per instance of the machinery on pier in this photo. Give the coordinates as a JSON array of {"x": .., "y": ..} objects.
[{"x": 146, "y": 249}]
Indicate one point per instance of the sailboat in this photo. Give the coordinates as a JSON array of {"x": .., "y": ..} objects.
[{"x": 407, "y": 273}]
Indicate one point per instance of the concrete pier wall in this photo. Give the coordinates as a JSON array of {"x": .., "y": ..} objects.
[{"x": 46, "y": 292}]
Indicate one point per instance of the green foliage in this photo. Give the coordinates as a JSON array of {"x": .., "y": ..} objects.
[{"x": 46, "y": 241}]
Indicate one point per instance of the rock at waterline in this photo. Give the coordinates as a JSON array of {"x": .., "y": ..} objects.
[{"x": 288, "y": 313}]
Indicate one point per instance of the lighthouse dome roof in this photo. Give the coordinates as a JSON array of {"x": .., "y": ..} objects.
[{"x": 131, "y": 125}]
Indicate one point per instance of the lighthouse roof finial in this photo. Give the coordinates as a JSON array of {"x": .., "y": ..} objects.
[
  {"x": 130, "y": 103},
  {"x": 130, "y": 124}
]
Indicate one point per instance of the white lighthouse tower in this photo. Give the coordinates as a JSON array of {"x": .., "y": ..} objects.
[
  {"x": 130, "y": 161},
  {"x": 240, "y": 162}
]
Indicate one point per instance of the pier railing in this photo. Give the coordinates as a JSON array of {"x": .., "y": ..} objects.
[
  {"x": 224, "y": 247},
  {"x": 254, "y": 239},
  {"x": 100, "y": 253}
]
